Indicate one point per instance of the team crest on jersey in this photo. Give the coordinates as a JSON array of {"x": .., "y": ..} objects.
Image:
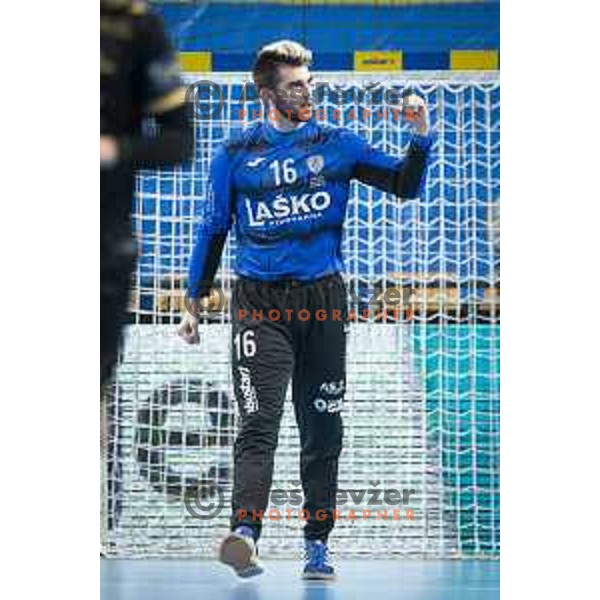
[{"x": 315, "y": 163}]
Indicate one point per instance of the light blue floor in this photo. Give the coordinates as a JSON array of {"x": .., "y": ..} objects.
[{"x": 357, "y": 580}]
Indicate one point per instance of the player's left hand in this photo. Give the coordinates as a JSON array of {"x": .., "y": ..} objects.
[{"x": 415, "y": 110}]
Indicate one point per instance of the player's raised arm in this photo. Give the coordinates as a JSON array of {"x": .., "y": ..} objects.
[
  {"x": 214, "y": 223},
  {"x": 402, "y": 176}
]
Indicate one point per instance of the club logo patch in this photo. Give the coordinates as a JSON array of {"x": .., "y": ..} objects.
[{"x": 315, "y": 163}]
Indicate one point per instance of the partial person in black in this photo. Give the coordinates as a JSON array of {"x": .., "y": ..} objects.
[{"x": 139, "y": 79}]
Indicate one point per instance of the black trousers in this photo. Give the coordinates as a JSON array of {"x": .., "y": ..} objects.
[
  {"x": 306, "y": 344},
  {"x": 117, "y": 262}
]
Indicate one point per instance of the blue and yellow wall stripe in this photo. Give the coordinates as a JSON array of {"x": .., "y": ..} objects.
[
  {"x": 386, "y": 34},
  {"x": 360, "y": 60}
]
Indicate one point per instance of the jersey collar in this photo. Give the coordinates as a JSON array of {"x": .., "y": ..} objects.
[{"x": 287, "y": 138}]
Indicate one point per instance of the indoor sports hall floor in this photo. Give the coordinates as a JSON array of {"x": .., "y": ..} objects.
[{"x": 357, "y": 580}]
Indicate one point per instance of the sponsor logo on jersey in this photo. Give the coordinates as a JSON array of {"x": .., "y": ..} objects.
[{"x": 287, "y": 209}]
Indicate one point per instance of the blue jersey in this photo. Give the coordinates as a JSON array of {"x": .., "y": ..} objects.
[{"x": 285, "y": 193}]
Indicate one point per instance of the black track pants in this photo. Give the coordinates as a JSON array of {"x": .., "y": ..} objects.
[
  {"x": 307, "y": 344},
  {"x": 117, "y": 262}
]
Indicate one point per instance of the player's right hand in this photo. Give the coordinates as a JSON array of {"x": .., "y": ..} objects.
[{"x": 188, "y": 329}]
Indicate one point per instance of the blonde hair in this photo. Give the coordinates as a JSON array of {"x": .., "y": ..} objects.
[{"x": 282, "y": 52}]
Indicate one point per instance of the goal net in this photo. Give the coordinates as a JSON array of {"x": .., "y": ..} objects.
[{"x": 421, "y": 413}]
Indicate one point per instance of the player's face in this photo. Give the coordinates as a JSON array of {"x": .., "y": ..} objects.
[{"x": 292, "y": 95}]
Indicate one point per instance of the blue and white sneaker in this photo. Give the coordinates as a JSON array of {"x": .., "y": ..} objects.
[
  {"x": 316, "y": 564},
  {"x": 238, "y": 550}
]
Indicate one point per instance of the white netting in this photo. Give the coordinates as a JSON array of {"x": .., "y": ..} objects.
[{"x": 422, "y": 408}]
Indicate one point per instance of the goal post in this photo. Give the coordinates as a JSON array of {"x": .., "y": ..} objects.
[{"x": 421, "y": 413}]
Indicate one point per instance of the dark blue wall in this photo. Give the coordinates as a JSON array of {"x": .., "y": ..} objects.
[{"x": 241, "y": 29}]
